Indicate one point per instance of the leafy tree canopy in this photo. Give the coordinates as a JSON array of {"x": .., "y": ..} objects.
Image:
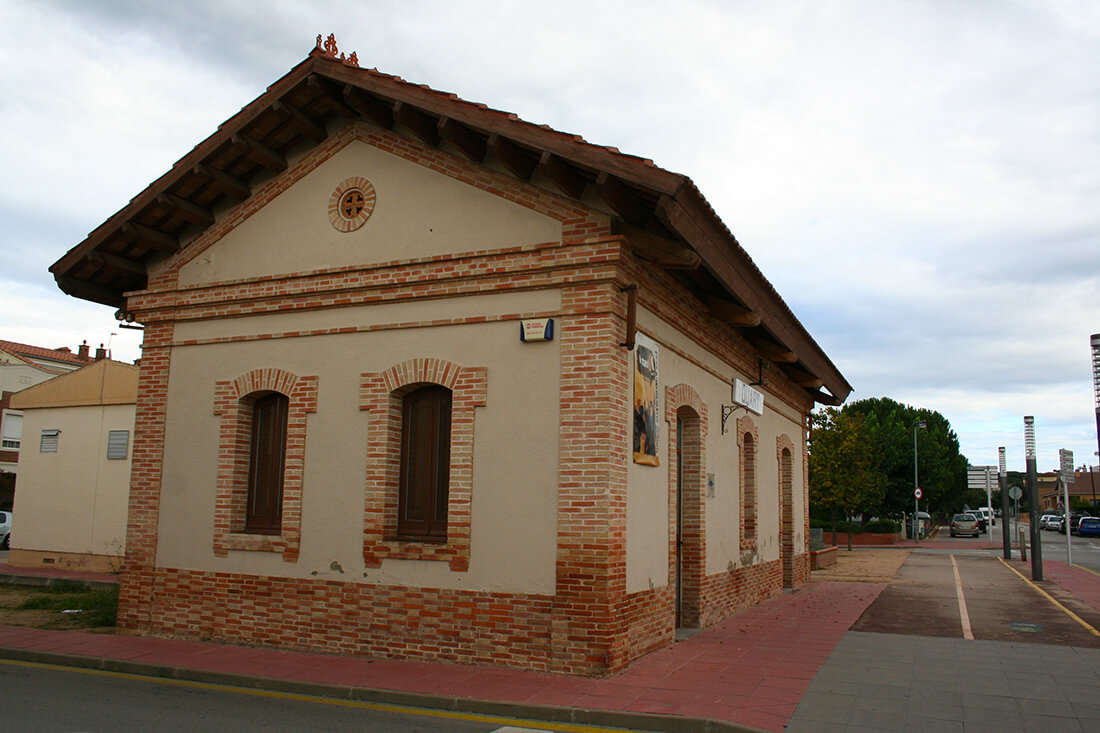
[{"x": 886, "y": 430}]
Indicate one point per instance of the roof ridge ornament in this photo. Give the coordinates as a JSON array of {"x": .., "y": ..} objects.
[{"x": 329, "y": 50}]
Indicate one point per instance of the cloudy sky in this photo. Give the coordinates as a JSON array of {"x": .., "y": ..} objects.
[{"x": 919, "y": 180}]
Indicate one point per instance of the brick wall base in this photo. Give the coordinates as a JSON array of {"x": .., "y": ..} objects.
[
  {"x": 724, "y": 593},
  {"x": 351, "y": 618},
  {"x": 83, "y": 561}
]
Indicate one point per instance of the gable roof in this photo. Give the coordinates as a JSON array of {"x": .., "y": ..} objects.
[
  {"x": 665, "y": 217},
  {"x": 51, "y": 360},
  {"x": 106, "y": 382}
]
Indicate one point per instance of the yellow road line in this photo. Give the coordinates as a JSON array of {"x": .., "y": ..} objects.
[
  {"x": 1087, "y": 570},
  {"x": 383, "y": 707},
  {"x": 968, "y": 632},
  {"x": 1051, "y": 598}
]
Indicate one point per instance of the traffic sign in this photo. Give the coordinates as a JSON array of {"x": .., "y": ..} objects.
[
  {"x": 917, "y": 492},
  {"x": 1065, "y": 457},
  {"x": 1015, "y": 493}
]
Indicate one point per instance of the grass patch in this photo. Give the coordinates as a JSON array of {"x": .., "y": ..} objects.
[{"x": 85, "y": 608}]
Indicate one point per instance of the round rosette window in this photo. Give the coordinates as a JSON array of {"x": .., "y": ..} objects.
[{"x": 351, "y": 204}]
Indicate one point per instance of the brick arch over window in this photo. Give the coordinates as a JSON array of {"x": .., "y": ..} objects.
[
  {"x": 233, "y": 401},
  {"x": 784, "y": 453},
  {"x": 683, "y": 404},
  {"x": 748, "y": 445},
  {"x": 381, "y": 394}
]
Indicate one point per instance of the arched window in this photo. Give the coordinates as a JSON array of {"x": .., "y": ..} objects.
[
  {"x": 748, "y": 487},
  {"x": 425, "y": 464},
  {"x": 266, "y": 462}
]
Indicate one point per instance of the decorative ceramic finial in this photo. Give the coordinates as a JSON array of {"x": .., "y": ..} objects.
[{"x": 329, "y": 49}]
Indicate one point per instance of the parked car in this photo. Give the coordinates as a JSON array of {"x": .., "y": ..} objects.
[
  {"x": 985, "y": 516},
  {"x": 965, "y": 523},
  {"x": 1050, "y": 521},
  {"x": 5, "y": 530},
  {"x": 1089, "y": 527},
  {"x": 1073, "y": 520}
]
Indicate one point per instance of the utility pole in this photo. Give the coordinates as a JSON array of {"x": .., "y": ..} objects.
[
  {"x": 1033, "y": 499},
  {"x": 916, "y": 482},
  {"x": 1096, "y": 399}
]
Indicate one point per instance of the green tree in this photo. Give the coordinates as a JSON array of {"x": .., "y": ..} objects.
[
  {"x": 844, "y": 466},
  {"x": 942, "y": 469}
]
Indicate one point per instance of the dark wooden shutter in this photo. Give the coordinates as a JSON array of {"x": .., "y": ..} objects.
[
  {"x": 425, "y": 464},
  {"x": 265, "y": 473}
]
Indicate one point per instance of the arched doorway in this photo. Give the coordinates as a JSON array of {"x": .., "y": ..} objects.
[
  {"x": 786, "y": 517},
  {"x": 689, "y": 542}
]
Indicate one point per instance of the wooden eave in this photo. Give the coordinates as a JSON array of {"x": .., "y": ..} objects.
[{"x": 661, "y": 214}]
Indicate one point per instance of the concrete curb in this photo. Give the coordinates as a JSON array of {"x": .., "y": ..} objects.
[{"x": 545, "y": 713}]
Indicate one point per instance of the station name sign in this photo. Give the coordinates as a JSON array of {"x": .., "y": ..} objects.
[{"x": 747, "y": 397}]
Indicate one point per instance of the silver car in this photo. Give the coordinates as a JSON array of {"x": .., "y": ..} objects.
[{"x": 965, "y": 524}]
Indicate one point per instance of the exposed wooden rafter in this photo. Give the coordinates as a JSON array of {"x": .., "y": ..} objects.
[
  {"x": 470, "y": 143},
  {"x": 330, "y": 96},
  {"x": 620, "y": 198},
  {"x": 667, "y": 253},
  {"x": 300, "y": 122},
  {"x": 224, "y": 182},
  {"x": 562, "y": 174},
  {"x": 260, "y": 154},
  {"x": 369, "y": 106},
  {"x": 774, "y": 352},
  {"x": 422, "y": 125},
  {"x": 89, "y": 291},
  {"x": 732, "y": 314},
  {"x": 198, "y": 215},
  {"x": 115, "y": 262},
  {"x": 521, "y": 163},
  {"x": 151, "y": 238}
]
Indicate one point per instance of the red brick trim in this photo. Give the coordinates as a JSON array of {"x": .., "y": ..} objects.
[
  {"x": 232, "y": 404},
  {"x": 146, "y": 470},
  {"x": 748, "y": 450},
  {"x": 683, "y": 404},
  {"x": 784, "y": 454},
  {"x": 381, "y": 393}
]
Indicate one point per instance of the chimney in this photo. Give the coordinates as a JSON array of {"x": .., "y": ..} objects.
[
  {"x": 100, "y": 353},
  {"x": 82, "y": 352}
]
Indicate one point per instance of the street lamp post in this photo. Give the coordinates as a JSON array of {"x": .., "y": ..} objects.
[
  {"x": 916, "y": 482},
  {"x": 1096, "y": 397},
  {"x": 1002, "y": 481},
  {"x": 1033, "y": 499}
]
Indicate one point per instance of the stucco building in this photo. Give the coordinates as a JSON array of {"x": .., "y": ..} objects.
[
  {"x": 422, "y": 379},
  {"x": 74, "y": 476}
]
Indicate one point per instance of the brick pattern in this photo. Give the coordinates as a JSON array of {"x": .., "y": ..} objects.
[
  {"x": 381, "y": 393},
  {"x": 337, "y": 617},
  {"x": 233, "y": 404},
  {"x": 729, "y": 591},
  {"x": 594, "y": 405},
  {"x": 136, "y": 584},
  {"x": 748, "y": 438},
  {"x": 683, "y": 405},
  {"x": 784, "y": 450}
]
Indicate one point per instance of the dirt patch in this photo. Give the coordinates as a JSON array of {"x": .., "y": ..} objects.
[
  {"x": 12, "y": 597},
  {"x": 867, "y": 566}
]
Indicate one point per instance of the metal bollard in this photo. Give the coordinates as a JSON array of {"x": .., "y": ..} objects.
[{"x": 1023, "y": 545}]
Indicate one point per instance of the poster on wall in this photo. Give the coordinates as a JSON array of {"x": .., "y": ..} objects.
[{"x": 646, "y": 404}]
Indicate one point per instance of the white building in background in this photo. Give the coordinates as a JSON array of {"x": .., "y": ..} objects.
[{"x": 74, "y": 477}]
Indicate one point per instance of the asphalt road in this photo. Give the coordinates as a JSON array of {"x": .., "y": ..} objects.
[
  {"x": 1086, "y": 550},
  {"x": 36, "y": 698}
]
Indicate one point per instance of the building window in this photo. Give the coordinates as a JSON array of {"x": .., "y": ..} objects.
[
  {"x": 747, "y": 441},
  {"x": 118, "y": 445},
  {"x": 261, "y": 461},
  {"x": 425, "y": 464},
  {"x": 48, "y": 443},
  {"x": 266, "y": 462},
  {"x": 420, "y": 459}
]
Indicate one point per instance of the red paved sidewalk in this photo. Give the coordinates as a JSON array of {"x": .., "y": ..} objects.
[
  {"x": 752, "y": 669},
  {"x": 1083, "y": 584}
]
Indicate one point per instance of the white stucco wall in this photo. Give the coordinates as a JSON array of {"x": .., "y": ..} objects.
[
  {"x": 648, "y": 510},
  {"x": 74, "y": 500},
  {"x": 513, "y": 528}
]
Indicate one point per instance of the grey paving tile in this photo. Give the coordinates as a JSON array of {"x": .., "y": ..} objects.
[
  {"x": 1087, "y": 708},
  {"x": 940, "y": 725},
  {"x": 1052, "y": 708},
  {"x": 1045, "y": 724}
]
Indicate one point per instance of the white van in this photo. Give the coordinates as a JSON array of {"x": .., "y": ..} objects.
[{"x": 986, "y": 515}]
